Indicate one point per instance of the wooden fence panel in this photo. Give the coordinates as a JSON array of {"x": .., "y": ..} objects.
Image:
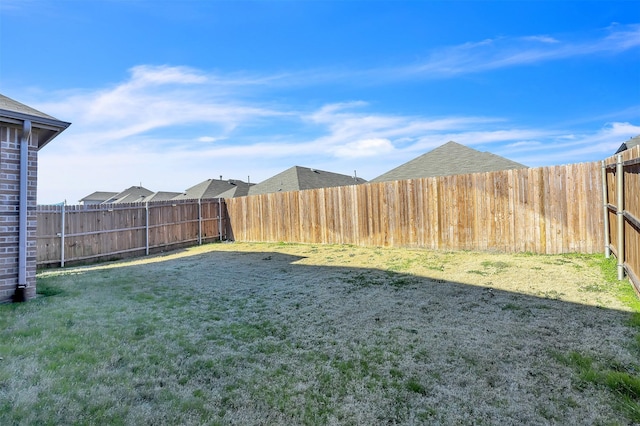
[
  {"x": 536, "y": 243},
  {"x": 629, "y": 212},
  {"x": 173, "y": 223},
  {"x": 48, "y": 244},
  {"x": 387, "y": 225},
  {"x": 442, "y": 210},
  {"x": 279, "y": 212},
  {"x": 334, "y": 215},
  {"x": 273, "y": 217},
  {"x": 522, "y": 225},
  {"x": 553, "y": 211},
  {"x": 322, "y": 233},
  {"x": 115, "y": 230},
  {"x": 632, "y": 227},
  {"x": 311, "y": 217},
  {"x": 365, "y": 214},
  {"x": 350, "y": 215},
  {"x": 373, "y": 232},
  {"x": 482, "y": 210},
  {"x": 210, "y": 224},
  {"x": 290, "y": 224},
  {"x": 594, "y": 183},
  {"x": 632, "y": 216},
  {"x": 543, "y": 210}
]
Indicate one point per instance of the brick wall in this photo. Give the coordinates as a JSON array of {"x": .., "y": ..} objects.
[{"x": 9, "y": 211}]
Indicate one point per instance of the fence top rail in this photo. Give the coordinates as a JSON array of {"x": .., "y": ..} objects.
[
  {"x": 628, "y": 156},
  {"x": 632, "y": 162},
  {"x": 626, "y": 163},
  {"x": 55, "y": 208}
]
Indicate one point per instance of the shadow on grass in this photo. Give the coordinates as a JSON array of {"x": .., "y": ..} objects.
[{"x": 234, "y": 337}]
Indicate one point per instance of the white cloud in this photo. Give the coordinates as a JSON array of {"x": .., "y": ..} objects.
[
  {"x": 365, "y": 148},
  {"x": 524, "y": 144},
  {"x": 152, "y": 98},
  {"x": 480, "y": 136},
  {"x": 541, "y": 39},
  {"x": 560, "y": 148},
  {"x": 345, "y": 128},
  {"x": 622, "y": 37},
  {"x": 145, "y": 75},
  {"x": 207, "y": 139},
  {"x": 508, "y": 51}
]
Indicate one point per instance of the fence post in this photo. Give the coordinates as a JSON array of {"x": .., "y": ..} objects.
[
  {"x": 199, "y": 221},
  {"x": 62, "y": 235},
  {"x": 605, "y": 198},
  {"x": 620, "y": 214},
  {"x": 220, "y": 219},
  {"x": 146, "y": 227}
]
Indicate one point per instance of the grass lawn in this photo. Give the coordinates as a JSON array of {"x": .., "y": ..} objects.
[{"x": 252, "y": 334}]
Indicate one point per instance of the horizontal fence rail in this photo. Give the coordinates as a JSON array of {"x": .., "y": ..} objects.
[
  {"x": 546, "y": 210},
  {"x": 83, "y": 233},
  {"x": 622, "y": 212}
]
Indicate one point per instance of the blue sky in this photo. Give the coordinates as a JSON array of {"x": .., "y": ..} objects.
[{"x": 169, "y": 93}]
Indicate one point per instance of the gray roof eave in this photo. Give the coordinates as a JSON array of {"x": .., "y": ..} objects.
[{"x": 49, "y": 128}]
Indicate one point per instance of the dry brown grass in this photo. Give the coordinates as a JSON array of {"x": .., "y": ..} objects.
[{"x": 303, "y": 334}]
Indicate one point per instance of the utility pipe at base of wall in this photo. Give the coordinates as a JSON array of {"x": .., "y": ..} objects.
[{"x": 21, "y": 291}]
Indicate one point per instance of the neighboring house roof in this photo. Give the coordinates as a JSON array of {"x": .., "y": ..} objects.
[
  {"x": 98, "y": 197},
  {"x": 47, "y": 126},
  {"x": 298, "y": 178},
  {"x": 161, "y": 196},
  {"x": 237, "y": 191},
  {"x": 134, "y": 194},
  {"x": 635, "y": 141},
  {"x": 213, "y": 188},
  {"x": 449, "y": 159}
]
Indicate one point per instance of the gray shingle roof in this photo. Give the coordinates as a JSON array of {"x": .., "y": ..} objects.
[
  {"x": 449, "y": 159},
  {"x": 99, "y": 196},
  {"x": 9, "y": 104},
  {"x": 161, "y": 196},
  {"x": 299, "y": 178},
  {"x": 213, "y": 188},
  {"x": 15, "y": 112},
  {"x": 635, "y": 141},
  {"x": 134, "y": 194},
  {"x": 237, "y": 191}
]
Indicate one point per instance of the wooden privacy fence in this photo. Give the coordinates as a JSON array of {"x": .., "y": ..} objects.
[
  {"x": 82, "y": 233},
  {"x": 621, "y": 174},
  {"x": 545, "y": 210}
]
